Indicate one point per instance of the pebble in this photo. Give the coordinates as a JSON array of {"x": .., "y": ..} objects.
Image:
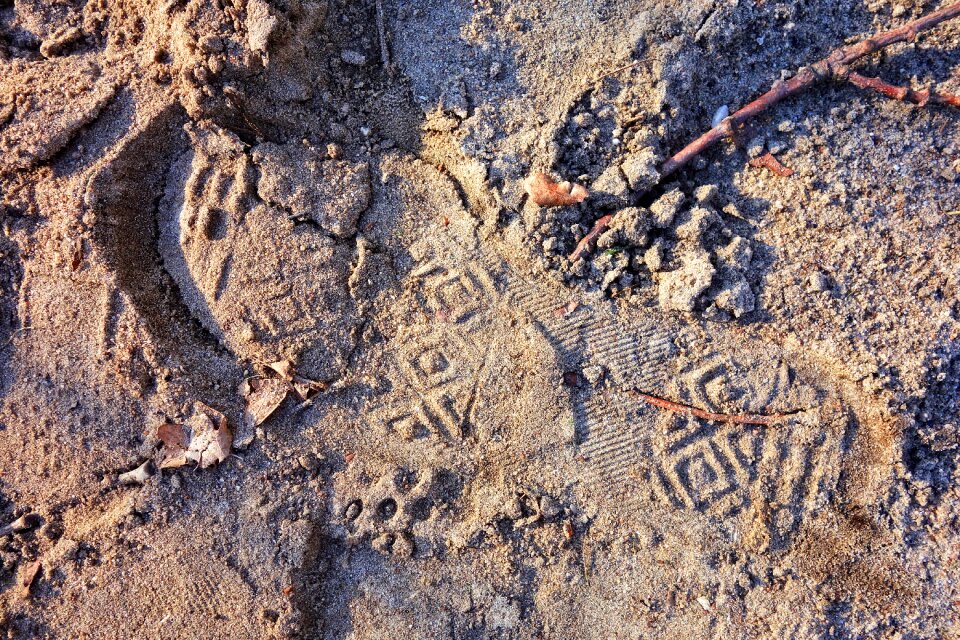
[
  {"x": 756, "y": 146},
  {"x": 719, "y": 116},
  {"x": 706, "y": 194},
  {"x": 775, "y": 146},
  {"x": 594, "y": 373},
  {"x": 352, "y": 57},
  {"x": 549, "y": 508},
  {"x": 550, "y": 245},
  {"x": 818, "y": 282}
]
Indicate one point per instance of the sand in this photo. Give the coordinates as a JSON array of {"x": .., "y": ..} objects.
[{"x": 309, "y": 217}]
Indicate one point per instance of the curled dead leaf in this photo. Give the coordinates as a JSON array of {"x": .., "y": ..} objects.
[
  {"x": 173, "y": 435},
  {"x": 206, "y": 439},
  {"x": 305, "y": 387},
  {"x": 262, "y": 397},
  {"x": 284, "y": 369},
  {"x": 547, "y": 192}
]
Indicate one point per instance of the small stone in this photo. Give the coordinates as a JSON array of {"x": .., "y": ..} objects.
[
  {"x": 776, "y": 146},
  {"x": 550, "y": 245},
  {"x": 706, "y": 194},
  {"x": 666, "y": 207},
  {"x": 720, "y": 115},
  {"x": 309, "y": 462},
  {"x": 594, "y": 374},
  {"x": 818, "y": 282},
  {"x": 756, "y": 146},
  {"x": 641, "y": 169},
  {"x": 352, "y": 57},
  {"x": 786, "y": 126},
  {"x": 549, "y": 508}
]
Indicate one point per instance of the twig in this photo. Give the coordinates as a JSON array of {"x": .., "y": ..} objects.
[
  {"x": 905, "y": 94},
  {"x": 382, "y": 36},
  {"x": 769, "y": 161},
  {"x": 618, "y": 70},
  {"x": 834, "y": 66},
  {"x": 743, "y": 418}
]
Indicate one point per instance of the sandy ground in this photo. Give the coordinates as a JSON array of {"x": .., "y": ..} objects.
[{"x": 455, "y": 444}]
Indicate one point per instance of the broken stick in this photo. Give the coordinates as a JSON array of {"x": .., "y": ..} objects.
[
  {"x": 736, "y": 418},
  {"x": 835, "y": 66}
]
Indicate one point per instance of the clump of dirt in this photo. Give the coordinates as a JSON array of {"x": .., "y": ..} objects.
[{"x": 307, "y": 220}]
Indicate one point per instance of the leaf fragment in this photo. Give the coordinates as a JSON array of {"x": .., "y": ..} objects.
[
  {"x": 547, "y": 192},
  {"x": 262, "y": 396},
  {"x": 205, "y": 439}
]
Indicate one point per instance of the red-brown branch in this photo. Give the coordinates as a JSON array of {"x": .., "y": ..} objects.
[
  {"x": 922, "y": 97},
  {"x": 834, "y": 66},
  {"x": 736, "y": 418}
]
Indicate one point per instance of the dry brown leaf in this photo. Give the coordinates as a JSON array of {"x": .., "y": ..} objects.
[
  {"x": 547, "y": 192},
  {"x": 305, "y": 387},
  {"x": 205, "y": 439},
  {"x": 262, "y": 397},
  {"x": 28, "y": 576},
  {"x": 283, "y": 368},
  {"x": 173, "y": 435}
]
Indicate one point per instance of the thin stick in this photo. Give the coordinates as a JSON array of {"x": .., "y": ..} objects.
[
  {"x": 834, "y": 66},
  {"x": 769, "y": 161},
  {"x": 618, "y": 70},
  {"x": 382, "y": 36},
  {"x": 903, "y": 93},
  {"x": 742, "y": 418}
]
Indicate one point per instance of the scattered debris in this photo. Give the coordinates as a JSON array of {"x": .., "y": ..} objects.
[
  {"x": 139, "y": 475},
  {"x": 205, "y": 439},
  {"x": 547, "y": 192},
  {"x": 704, "y": 602},
  {"x": 835, "y": 66},
  {"x": 568, "y": 530},
  {"x": 744, "y": 418},
  {"x": 769, "y": 161},
  {"x": 23, "y": 523}
]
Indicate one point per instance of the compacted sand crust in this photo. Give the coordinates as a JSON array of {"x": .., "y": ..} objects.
[{"x": 193, "y": 189}]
